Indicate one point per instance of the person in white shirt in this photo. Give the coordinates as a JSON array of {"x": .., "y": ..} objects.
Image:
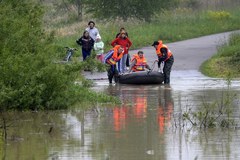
[{"x": 93, "y": 31}]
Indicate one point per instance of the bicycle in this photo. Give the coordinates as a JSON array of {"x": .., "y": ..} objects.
[{"x": 69, "y": 53}]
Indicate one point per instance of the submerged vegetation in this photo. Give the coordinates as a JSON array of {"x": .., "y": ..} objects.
[{"x": 214, "y": 114}]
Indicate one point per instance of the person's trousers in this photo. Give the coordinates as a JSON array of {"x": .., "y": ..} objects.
[
  {"x": 122, "y": 64},
  {"x": 100, "y": 57},
  {"x": 167, "y": 69},
  {"x": 111, "y": 72},
  {"x": 128, "y": 60},
  {"x": 85, "y": 53}
]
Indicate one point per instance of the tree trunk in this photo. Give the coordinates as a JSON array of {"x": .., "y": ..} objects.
[{"x": 79, "y": 8}]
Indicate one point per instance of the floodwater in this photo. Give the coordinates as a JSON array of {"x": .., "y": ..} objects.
[{"x": 146, "y": 126}]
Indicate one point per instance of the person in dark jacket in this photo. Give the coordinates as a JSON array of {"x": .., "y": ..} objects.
[
  {"x": 164, "y": 55},
  {"x": 87, "y": 44}
]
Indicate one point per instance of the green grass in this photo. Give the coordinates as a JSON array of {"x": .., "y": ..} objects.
[
  {"x": 167, "y": 26},
  {"x": 226, "y": 63}
]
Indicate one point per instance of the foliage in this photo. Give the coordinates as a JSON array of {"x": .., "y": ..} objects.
[
  {"x": 214, "y": 114},
  {"x": 29, "y": 78},
  {"x": 218, "y": 15},
  {"x": 226, "y": 62},
  {"x": 177, "y": 24},
  {"x": 125, "y": 9}
]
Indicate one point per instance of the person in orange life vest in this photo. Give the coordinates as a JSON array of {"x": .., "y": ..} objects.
[
  {"x": 125, "y": 42},
  {"x": 111, "y": 58},
  {"x": 139, "y": 62},
  {"x": 164, "y": 55}
]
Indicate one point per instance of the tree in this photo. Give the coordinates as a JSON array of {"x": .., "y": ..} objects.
[
  {"x": 77, "y": 3},
  {"x": 29, "y": 79},
  {"x": 125, "y": 9}
]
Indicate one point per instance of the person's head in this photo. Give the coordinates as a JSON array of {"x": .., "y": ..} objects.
[
  {"x": 86, "y": 34},
  {"x": 155, "y": 44},
  {"x": 122, "y": 34},
  {"x": 91, "y": 24},
  {"x": 140, "y": 54},
  {"x": 98, "y": 38},
  {"x": 120, "y": 49},
  {"x": 122, "y": 29}
]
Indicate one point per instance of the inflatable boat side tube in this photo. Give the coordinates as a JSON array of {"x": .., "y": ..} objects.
[{"x": 143, "y": 77}]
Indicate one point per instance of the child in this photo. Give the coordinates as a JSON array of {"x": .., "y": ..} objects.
[{"x": 98, "y": 47}]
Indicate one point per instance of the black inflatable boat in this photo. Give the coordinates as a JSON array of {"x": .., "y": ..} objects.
[{"x": 143, "y": 77}]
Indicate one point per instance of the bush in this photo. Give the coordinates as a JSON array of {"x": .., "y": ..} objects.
[
  {"x": 29, "y": 78},
  {"x": 227, "y": 61},
  {"x": 218, "y": 15}
]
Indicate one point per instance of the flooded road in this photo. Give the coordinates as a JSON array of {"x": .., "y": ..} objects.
[{"x": 147, "y": 125}]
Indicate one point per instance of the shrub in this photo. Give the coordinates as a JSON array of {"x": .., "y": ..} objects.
[
  {"x": 218, "y": 15},
  {"x": 29, "y": 78}
]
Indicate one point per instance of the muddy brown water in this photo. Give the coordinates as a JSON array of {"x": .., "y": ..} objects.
[
  {"x": 146, "y": 126},
  {"x": 142, "y": 127}
]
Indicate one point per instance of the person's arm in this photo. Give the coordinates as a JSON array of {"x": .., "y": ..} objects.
[
  {"x": 92, "y": 42},
  {"x": 147, "y": 66},
  {"x": 134, "y": 61},
  {"x": 126, "y": 34},
  {"x": 164, "y": 52},
  {"x": 97, "y": 31},
  {"x": 114, "y": 42},
  {"x": 79, "y": 41},
  {"x": 117, "y": 35},
  {"x": 129, "y": 43},
  {"x": 108, "y": 55}
]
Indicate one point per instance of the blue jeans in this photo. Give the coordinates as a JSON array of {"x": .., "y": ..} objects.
[
  {"x": 122, "y": 64},
  {"x": 85, "y": 53}
]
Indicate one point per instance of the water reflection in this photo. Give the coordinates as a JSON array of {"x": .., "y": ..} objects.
[
  {"x": 140, "y": 101},
  {"x": 143, "y": 127}
]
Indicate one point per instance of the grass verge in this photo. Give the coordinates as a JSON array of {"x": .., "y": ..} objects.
[
  {"x": 226, "y": 63},
  {"x": 169, "y": 26}
]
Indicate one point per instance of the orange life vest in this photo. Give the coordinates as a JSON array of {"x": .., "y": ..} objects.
[
  {"x": 115, "y": 57},
  {"x": 140, "y": 63},
  {"x": 158, "y": 52}
]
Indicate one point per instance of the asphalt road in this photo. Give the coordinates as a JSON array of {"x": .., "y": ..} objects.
[{"x": 188, "y": 54}]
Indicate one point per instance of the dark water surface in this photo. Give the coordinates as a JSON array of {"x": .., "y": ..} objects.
[{"x": 145, "y": 127}]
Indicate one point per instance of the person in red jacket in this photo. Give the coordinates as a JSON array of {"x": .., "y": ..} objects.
[{"x": 125, "y": 42}]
